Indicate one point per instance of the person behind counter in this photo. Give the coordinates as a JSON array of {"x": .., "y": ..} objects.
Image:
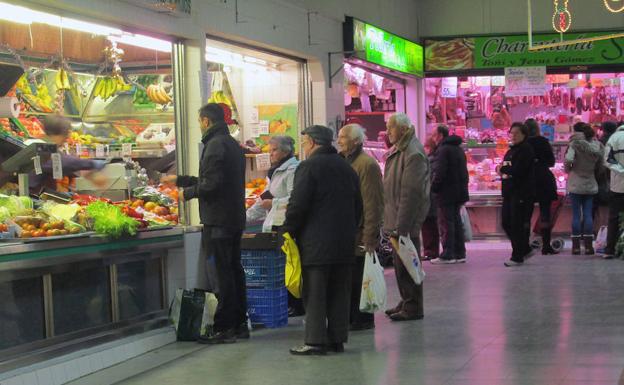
[
  {"x": 518, "y": 189},
  {"x": 57, "y": 129},
  {"x": 271, "y": 205}
]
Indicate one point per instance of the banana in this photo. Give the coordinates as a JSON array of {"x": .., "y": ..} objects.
[
  {"x": 110, "y": 90},
  {"x": 65, "y": 79},
  {"x": 58, "y": 80},
  {"x": 98, "y": 88}
]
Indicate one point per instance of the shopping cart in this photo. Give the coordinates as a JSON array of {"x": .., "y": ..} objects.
[{"x": 556, "y": 243}]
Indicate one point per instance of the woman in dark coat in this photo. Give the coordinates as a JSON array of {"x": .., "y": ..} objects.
[
  {"x": 518, "y": 189},
  {"x": 546, "y": 186}
]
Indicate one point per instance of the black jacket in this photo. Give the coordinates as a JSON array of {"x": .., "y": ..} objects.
[
  {"x": 324, "y": 209},
  {"x": 546, "y": 186},
  {"x": 220, "y": 186},
  {"x": 450, "y": 172},
  {"x": 519, "y": 175}
]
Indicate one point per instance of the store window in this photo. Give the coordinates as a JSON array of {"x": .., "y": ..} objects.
[
  {"x": 262, "y": 96},
  {"x": 116, "y": 87},
  {"x": 478, "y": 109}
]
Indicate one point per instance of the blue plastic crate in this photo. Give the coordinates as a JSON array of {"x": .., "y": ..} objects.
[
  {"x": 264, "y": 268},
  {"x": 268, "y": 307}
]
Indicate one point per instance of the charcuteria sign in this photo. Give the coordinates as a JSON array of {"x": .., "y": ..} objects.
[{"x": 513, "y": 51}]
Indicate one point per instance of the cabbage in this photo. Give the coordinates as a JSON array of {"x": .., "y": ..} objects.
[
  {"x": 64, "y": 212},
  {"x": 16, "y": 205},
  {"x": 4, "y": 214}
]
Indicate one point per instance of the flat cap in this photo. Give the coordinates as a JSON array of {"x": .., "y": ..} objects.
[{"x": 320, "y": 134}]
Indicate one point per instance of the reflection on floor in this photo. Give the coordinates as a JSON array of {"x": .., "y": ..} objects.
[{"x": 556, "y": 320}]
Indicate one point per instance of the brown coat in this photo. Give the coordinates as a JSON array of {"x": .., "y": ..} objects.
[
  {"x": 407, "y": 186},
  {"x": 371, "y": 187}
]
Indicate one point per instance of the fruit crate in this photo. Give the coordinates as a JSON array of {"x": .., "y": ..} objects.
[
  {"x": 264, "y": 268},
  {"x": 268, "y": 307}
]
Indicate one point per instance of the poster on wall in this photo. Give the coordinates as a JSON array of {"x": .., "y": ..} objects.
[
  {"x": 281, "y": 119},
  {"x": 483, "y": 52},
  {"x": 525, "y": 81}
]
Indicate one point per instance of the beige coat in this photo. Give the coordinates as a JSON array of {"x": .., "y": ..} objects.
[
  {"x": 371, "y": 187},
  {"x": 406, "y": 186}
]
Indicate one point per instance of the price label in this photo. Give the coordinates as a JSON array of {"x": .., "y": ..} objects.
[
  {"x": 263, "y": 127},
  {"x": 57, "y": 166},
  {"x": 78, "y": 149},
  {"x": 263, "y": 162},
  {"x": 37, "y": 163},
  {"x": 126, "y": 150},
  {"x": 99, "y": 151}
]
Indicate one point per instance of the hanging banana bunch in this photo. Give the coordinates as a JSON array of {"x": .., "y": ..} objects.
[{"x": 110, "y": 86}]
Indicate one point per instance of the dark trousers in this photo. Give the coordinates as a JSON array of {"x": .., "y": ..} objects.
[
  {"x": 221, "y": 248},
  {"x": 431, "y": 238},
  {"x": 411, "y": 294},
  {"x": 616, "y": 206},
  {"x": 358, "y": 317},
  {"x": 326, "y": 292},
  {"x": 451, "y": 231},
  {"x": 517, "y": 224}
]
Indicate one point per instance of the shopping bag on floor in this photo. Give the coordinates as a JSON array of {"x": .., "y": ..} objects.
[
  {"x": 192, "y": 313},
  {"x": 292, "y": 275},
  {"x": 601, "y": 238},
  {"x": 409, "y": 256},
  {"x": 465, "y": 219},
  {"x": 373, "y": 296}
]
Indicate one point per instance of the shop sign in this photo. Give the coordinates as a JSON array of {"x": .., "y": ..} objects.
[
  {"x": 525, "y": 81},
  {"x": 448, "y": 88},
  {"x": 380, "y": 47},
  {"x": 512, "y": 51}
]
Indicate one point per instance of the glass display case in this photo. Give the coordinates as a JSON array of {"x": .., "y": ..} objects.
[{"x": 483, "y": 159}]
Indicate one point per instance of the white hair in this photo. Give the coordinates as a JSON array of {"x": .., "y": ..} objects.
[
  {"x": 356, "y": 132},
  {"x": 401, "y": 120}
]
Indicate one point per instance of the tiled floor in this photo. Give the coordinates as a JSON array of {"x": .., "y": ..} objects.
[{"x": 556, "y": 320}]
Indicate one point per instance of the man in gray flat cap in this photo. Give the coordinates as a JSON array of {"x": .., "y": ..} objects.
[{"x": 323, "y": 214}]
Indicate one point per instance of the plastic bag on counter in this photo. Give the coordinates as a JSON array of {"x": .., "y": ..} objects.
[{"x": 151, "y": 194}]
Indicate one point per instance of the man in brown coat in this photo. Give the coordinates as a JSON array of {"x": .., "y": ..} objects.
[
  {"x": 406, "y": 191},
  {"x": 350, "y": 141}
]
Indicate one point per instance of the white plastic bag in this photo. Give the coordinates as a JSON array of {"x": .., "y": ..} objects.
[
  {"x": 373, "y": 296},
  {"x": 409, "y": 256},
  {"x": 465, "y": 219},
  {"x": 601, "y": 238}
]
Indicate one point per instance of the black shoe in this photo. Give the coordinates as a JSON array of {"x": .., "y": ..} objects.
[
  {"x": 548, "y": 250},
  {"x": 395, "y": 309},
  {"x": 242, "y": 331},
  {"x": 336, "y": 347},
  {"x": 403, "y": 316},
  {"x": 354, "y": 327},
  {"x": 224, "y": 337},
  {"x": 308, "y": 350},
  {"x": 294, "y": 312}
]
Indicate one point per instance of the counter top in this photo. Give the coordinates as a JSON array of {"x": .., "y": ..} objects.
[{"x": 66, "y": 247}]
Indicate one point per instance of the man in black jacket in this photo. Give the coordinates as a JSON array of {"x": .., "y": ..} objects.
[
  {"x": 220, "y": 189},
  {"x": 450, "y": 183},
  {"x": 323, "y": 214}
]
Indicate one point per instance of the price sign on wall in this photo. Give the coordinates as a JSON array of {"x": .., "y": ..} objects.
[
  {"x": 525, "y": 81},
  {"x": 449, "y": 88},
  {"x": 263, "y": 162}
]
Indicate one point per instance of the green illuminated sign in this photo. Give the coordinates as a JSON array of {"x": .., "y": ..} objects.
[{"x": 380, "y": 47}]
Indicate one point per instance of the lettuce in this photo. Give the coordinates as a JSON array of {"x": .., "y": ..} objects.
[
  {"x": 109, "y": 220},
  {"x": 4, "y": 214}
]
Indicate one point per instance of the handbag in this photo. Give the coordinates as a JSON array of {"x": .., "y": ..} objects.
[{"x": 373, "y": 295}]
